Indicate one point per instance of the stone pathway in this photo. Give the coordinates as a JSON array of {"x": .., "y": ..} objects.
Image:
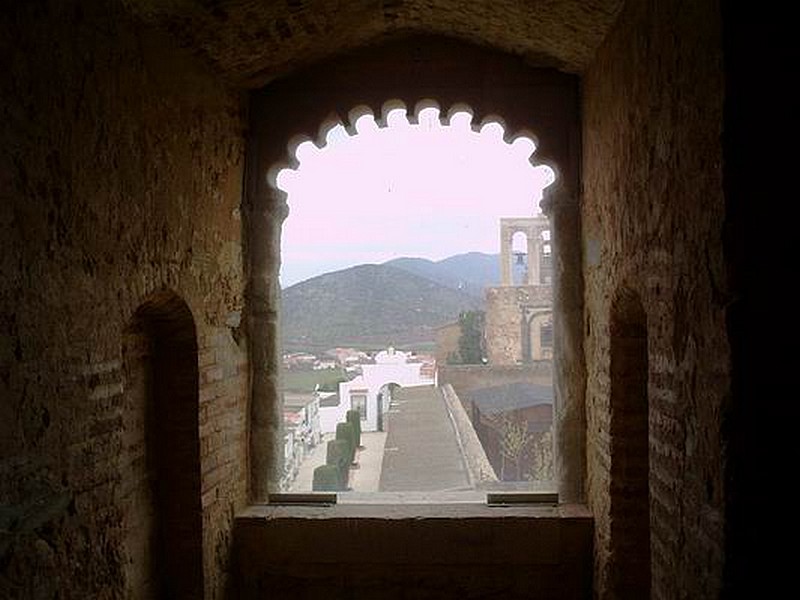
[
  {"x": 421, "y": 452},
  {"x": 367, "y": 475}
]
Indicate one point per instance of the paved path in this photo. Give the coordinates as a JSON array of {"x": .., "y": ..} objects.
[
  {"x": 367, "y": 474},
  {"x": 421, "y": 452},
  {"x": 305, "y": 474}
]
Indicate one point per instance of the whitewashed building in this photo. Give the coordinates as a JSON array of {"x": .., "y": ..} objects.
[
  {"x": 301, "y": 432},
  {"x": 370, "y": 392}
]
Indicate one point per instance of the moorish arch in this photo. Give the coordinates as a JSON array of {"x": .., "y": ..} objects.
[{"x": 304, "y": 107}]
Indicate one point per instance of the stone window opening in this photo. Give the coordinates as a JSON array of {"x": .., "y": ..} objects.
[
  {"x": 529, "y": 99},
  {"x": 520, "y": 258},
  {"x": 394, "y": 112},
  {"x": 525, "y": 252},
  {"x": 546, "y": 334},
  {"x": 546, "y": 265},
  {"x": 490, "y": 82}
]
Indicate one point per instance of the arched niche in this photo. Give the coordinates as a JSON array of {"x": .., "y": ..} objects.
[
  {"x": 160, "y": 456},
  {"x": 629, "y": 492}
]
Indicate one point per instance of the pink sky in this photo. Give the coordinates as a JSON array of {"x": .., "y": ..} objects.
[{"x": 425, "y": 190}]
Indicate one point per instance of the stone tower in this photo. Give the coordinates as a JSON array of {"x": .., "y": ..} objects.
[{"x": 519, "y": 317}]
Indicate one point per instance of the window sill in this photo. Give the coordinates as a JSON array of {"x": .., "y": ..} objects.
[
  {"x": 496, "y": 497},
  {"x": 389, "y": 509},
  {"x": 444, "y": 550}
]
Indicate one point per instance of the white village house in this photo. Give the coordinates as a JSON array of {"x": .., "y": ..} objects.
[
  {"x": 370, "y": 392},
  {"x": 301, "y": 432}
]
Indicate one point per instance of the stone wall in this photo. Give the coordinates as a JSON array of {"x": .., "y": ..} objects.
[
  {"x": 425, "y": 551},
  {"x": 120, "y": 172},
  {"x": 465, "y": 378},
  {"x": 121, "y": 166},
  {"x": 652, "y": 224},
  {"x": 479, "y": 469},
  {"x": 255, "y": 43},
  {"x": 504, "y": 315}
]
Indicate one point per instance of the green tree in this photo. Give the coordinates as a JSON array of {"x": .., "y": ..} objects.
[
  {"x": 354, "y": 418},
  {"x": 326, "y": 479},
  {"x": 345, "y": 431},
  {"x": 471, "y": 347},
  {"x": 338, "y": 456}
]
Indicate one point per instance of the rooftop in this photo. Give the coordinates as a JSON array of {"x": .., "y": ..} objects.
[{"x": 511, "y": 396}]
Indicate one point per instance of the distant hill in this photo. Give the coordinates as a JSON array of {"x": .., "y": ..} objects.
[
  {"x": 469, "y": 273},
  {"x": 369, "y": 305}
]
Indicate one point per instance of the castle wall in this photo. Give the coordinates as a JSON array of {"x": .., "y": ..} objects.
[
  {"x": 121, "y": 162},
  {"x": 505, "y": 312},
  {"x": 652, "y": 215}
]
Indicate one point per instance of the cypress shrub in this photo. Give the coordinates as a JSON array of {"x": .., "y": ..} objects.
[
  {"x": 354, "y": 418},
  {"x": 344, "y": 431},
  {"x": 326, "y": 479},
  {"x": 338, "y": 456}
]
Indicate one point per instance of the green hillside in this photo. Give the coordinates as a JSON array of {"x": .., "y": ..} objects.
[{"x": 368, "y": 305}]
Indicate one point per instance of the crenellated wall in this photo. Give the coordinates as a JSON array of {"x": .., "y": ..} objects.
[
  {"x": 121, "y": 165},
  {"x": 652, "y": 217}
]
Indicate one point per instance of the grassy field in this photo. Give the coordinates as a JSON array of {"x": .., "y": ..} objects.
[
  {"x": 419, "y": 347},
  {"x": 305, "y": 381}
]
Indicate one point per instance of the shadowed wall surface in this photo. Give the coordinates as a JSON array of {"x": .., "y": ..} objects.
[{"x": 125, "y": 126}]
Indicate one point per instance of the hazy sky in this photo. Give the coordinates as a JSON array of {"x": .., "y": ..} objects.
[{"x": 424, "y": 190}]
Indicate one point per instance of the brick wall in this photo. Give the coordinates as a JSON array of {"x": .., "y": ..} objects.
[
  {"x": 138, "y": 473},
  {"x": 121, "y": 164},
  {"x": 464, "y": 378},
  {"x": 652, "y": 222},
  {"x": 443, "y": 552},
  {"x": 629, "y": 495}
]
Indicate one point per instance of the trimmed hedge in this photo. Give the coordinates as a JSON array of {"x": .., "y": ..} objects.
[
  {"x": 345, "y": 431},
  {"x": 326, "y": 479},
  {"x": 354, "y": 418},
  {"x": 338, "y": 456}
]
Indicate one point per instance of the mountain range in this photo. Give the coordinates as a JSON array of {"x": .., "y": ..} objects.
[
  {"x": 400, "y": 302},
  {"x": 469, "y": 273}
]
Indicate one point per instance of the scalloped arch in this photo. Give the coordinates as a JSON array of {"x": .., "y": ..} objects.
[{"x": 318, "y": 139}]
